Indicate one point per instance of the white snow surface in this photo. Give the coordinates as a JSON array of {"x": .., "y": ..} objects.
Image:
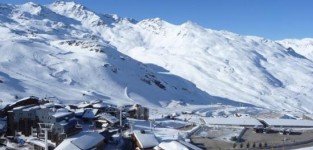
[
  {"x": 172, "y": 145},
  {"x": 288, "y": 122},
  {"x": 146, "y": 140},
  {"x": 83, "y": 140},
  {"x": 66, "y": 51},
  {"x": 235, "y": 121},
  {"x": 301, "y": 46}
]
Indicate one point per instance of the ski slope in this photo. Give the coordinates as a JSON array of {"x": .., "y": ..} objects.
[{"x": 66, "y": 51}]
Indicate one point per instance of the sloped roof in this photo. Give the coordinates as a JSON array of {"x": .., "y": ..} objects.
[
  {"x": 99, "y": 105},
  {"x": 90, "y": 113},
  {"x": 88, "y": 141},
  {"x": 82, "y": 141},
  {"x": 108, "y": 117},
  {"x": 59, "y": 114},
  {"x": 146, "y": 140}
]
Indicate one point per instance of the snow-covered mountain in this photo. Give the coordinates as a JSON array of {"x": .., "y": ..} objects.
[
  {"x": 70, "y": 52},
  {"x": 301, "y": 46}
]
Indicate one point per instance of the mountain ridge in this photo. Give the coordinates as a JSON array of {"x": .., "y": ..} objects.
[{"x": 208, "y": 65}]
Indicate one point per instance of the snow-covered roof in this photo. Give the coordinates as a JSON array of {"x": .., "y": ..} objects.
[
  {"x": 47, "y": 105},
  {"x": 146, "y": 140},
  {"x": 25, "y": 98},
  {"x": 32, "y": 108},
  {"x": 232, "y": 121},
  {"x": 111, "y": 119},
  {"x": 88, "y": 141},
  {"x": 84, "y": 104},
  {"x": 190, "y": 146},
  {"x": 82, "y": 141},
  {"x": 172, "y": 145},
  {"x": 62, "y": 110},
  {"x": 90, "y": 113},
  {"x": 23, "y": 107},
  {"x": 132, "y": 107},
  {"x": 288, "y": 123},
  {"x": 66, "y": 122},
  {"x": 61, "y": 114},
  {"x": 79, "y": 112},
  {"x": 288, "y": 116},
  {"x": 99, "y": 105},
  {"x": 39, "y": 142}
]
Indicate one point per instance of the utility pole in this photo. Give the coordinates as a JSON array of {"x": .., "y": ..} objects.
[
  {"x": 131, "y": 127},
  {"x": 121, "y": 123},
  {"x": 45, "y": 127},
  {"x": 153, "y": 113}
]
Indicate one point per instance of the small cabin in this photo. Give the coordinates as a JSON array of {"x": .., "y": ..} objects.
[
  {"x": 138, "y": 112},
  {"x": 144, "y": 140}
]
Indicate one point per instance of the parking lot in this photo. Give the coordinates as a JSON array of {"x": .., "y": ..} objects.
[
  {"x": 274, "y": 138},
  {"x": 214, "y": 138},
  {"x": 219, "y": 138}
]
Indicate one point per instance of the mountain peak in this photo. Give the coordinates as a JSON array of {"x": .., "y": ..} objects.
[
  {"x": 63, "y": 38},
  {"x": 73, "y": 6},
  {"x": 31, "y": 8},
  {"x": 76, "y": 11},
  {"x": 68, "y": 3}
]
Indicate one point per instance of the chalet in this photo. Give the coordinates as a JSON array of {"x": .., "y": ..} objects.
[
  {"x": 288, "y": 116},
  {"x": 102, "y": 105},
  {"x": 25, "y": 119},
  {"x": 71, "y": 107},
  {"x": 21, "y": 119},
  {"x": 79, "y": 112},
  {"x": 32, "y": 100},
  {"x": 99, "y": 106},
  {"x": 144, "y": 140},
  {"x": 104, "y": 119},
  {"x": 83, "y": 141},
  {"x": 84, "y": 105},
  {"x": 64, "y": 123},
  {"x": 89, "y": 114},
  {"x": 15, "y": 114},
  {"x": 138, "y": 112}
]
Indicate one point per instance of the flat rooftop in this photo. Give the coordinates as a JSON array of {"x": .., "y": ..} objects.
[
  {"x": 288, "y": 123},
  {"x": 233, "y": 121}
]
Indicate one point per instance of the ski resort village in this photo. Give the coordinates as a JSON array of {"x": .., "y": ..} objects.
[
  {"x": 40, "y": 124},
  {"x": 72, "y": 78}
]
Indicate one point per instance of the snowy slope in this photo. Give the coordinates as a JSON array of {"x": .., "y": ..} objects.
[
  {"x": 77, "y": 54},
  {"x": 301, "y": 46},
  {"x": 42, "y": 56}
]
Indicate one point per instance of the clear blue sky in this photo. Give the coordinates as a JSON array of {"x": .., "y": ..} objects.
[{"x": 273, "y": 19}]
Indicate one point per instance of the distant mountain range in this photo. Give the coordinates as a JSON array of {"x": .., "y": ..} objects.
[{"x": 66, "y": 51}]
